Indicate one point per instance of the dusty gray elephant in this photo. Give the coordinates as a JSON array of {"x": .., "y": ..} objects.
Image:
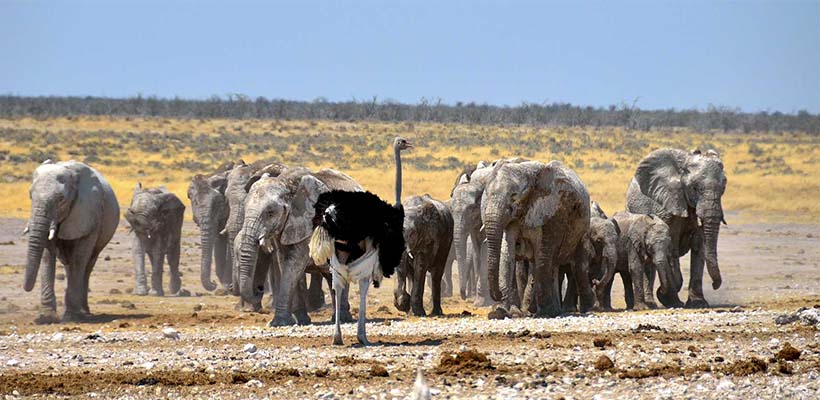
[
  {"x": 156, "y": 216},
  {"x": 74, "y": 213},
  {"x": 644, "y": 248},
  {"x": 684, "y": 189},
  {"x": 210, "y": 210},
  {"x": 468, "y": 235},
  {"x": 236, "y": 190},
  {"x": 597, "y": 254},
  {"x": 428, "y": 233},
  {"x": 279, "y": 216},
  {"x": 538, "y": 213}
]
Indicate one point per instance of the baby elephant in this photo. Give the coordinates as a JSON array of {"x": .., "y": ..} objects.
[
  {"x": 155, "y": 216},
  {"x": 644, "y": 246}
]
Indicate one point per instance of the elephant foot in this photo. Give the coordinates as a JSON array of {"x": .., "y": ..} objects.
[
  {"x": 346, "y": 317},
  {"x": 248, "y": 307},
  {"x": 463, "y": 294},
  {"x": 569, "y": 309},
  {"x": 498, "y": 313},
  {"x": 516, "y": 312},
  {"x": 141, "y": 291},
  {"x": 75, "y": 316},
  {"x": 155, "y": 292},
  {"x": 548, "y": 312},
  {"x": 437, "y": 312},
  {"x": 482, "y": 302},
  {"x": 47, "y": 317},
  {"x": 696, "y": 303},
  {"x": 651, "y": 305},
  {"x": 315, "y": 304},
  {"x": 282, "y": 321},
  {"x": 175, "y": 285},
  {"x": 418, "y": 311},
  {"x": 302, "y": 319},
  {"x": 640, "y": 307}
]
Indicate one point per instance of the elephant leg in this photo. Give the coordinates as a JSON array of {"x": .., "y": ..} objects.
[
  {"x": 48, "y": 301},
  {"x": 235, "y": 269},
  {"x": 298, "y": 302},
  {"x": 529, "y": 303},
  {"x": 570, "y": 303},
  {"x": 629, "y": 294},
  {"x": 76, "y": 294},
  {"x": 439, "y": 269},
  {"x": 471, "y": 277},
  {"x": 417, "y": 293},
  {"x": 636, "y": 272},
  {"x": 523, "y": 269},
  {"x": 649, "y": 284},
  {"x": 292, "y": 262},
  {"x": 606, "y": 302},
  {"x": 138, "y": 254},
  {"x": 175, "y": 281},
  {"x": 274, "y": 276},
  {"x": 580, "y": 276},
  {"x": 361, "y": 329},
  {"x": 316, "y": 297},
  {"x": 696, "y": 263},
  {"x": 447, "y": 278},
  {"x": 156, "y": 257},
  {"x": 86, "y": 279},
  {"x": 223, "y": 259}
]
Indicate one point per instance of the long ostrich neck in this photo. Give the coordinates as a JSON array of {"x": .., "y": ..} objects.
[{"x": 397, "y": 155}]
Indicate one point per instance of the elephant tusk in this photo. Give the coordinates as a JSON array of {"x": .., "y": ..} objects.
[
  {"x": 51, "y": 233},
  {"x": 724, "y": 221},
  {"x": 481, "y": 229},
  {"x": 25, "y": 231},
  {"x": 261, "y": 240},
  {"x": 409, "y": 254},
  {"x": 149, "y": 235},
  {"x": 224, "y": 231}
]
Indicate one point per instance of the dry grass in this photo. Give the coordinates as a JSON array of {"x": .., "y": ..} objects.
[{"x": 772, "y": 177}]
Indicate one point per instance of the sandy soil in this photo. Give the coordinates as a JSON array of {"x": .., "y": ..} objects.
[{"x": 732, "y": 350}]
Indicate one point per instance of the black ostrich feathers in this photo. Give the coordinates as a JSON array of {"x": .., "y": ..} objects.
[{"x": 354, "y": 216}]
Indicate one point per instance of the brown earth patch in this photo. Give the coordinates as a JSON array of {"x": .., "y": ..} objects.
[
  {"x": 746, "y": 367},
  {"x": 463, "y": 362},
  {"x": 788, "y": 353}
]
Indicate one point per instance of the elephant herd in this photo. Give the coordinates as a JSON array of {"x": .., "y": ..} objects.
[{"x": 514, "y": 229}]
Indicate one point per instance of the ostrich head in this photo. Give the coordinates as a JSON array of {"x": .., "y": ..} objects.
[{"x": 400, "y": 143}]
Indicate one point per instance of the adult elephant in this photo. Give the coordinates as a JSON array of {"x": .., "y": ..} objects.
[
  {"x": 74, "y": 213},
  {"x": 210, "y": 210},
  {"x": 684, "y": 189},
  {"x": 468, "y": 235},
  {"x": 236, "y": 191},
  {"x": 279, "y": 217},
  {"x": 535, "y": 212},
  {"x": 428, "y": 233},
  {"x": 156, "y": 216}
]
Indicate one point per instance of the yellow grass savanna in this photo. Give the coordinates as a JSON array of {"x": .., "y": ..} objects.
[{"x": 772, "y": 177}]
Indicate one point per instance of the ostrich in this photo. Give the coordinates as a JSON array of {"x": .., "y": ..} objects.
[{"x": 361, "y": 236}]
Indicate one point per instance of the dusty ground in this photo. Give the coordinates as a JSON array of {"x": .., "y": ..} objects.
[{"x": 733, "y": 350}]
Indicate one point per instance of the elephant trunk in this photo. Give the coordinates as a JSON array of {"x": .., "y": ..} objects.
[
  {"x": 207, "y": 236},
  {"x": 40, "y": 226},
  {"x": 460, "y": 241},
  {"x": 248, "y": 253},
  {"x": 711, "y": 228},
  {"x": 494, "y": 234}
]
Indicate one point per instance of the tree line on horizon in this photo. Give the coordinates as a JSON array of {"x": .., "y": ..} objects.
[{"x": 237, "y": 106}]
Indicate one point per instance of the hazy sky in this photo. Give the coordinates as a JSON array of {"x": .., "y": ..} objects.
[{"x": 756, "y": 55}]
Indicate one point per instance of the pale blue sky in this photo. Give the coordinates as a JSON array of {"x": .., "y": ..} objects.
[{"x": 756, "y": 55}]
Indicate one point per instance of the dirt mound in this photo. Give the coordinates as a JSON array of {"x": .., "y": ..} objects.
[
  {"x": 463, "y": 362},
  {"x": 379, "y": 370},
  {"x": 788, "y": 353},
  {"x": 604, "y": 363},
  {"x": 601, "y": 342},
  {"x": 746, "y": 367}
]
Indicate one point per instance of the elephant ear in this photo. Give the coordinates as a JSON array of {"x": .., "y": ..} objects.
[
  {"x": 86, "y": 209},
  {"x": 218, "y": 183},
  {"x": 171, "y": 204},
  {"x": 299, "y": 224},
  {"x": 545, "y": 198},
  {"x": 660, "y": 177},
  {"x": 638, "y": 230}
]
